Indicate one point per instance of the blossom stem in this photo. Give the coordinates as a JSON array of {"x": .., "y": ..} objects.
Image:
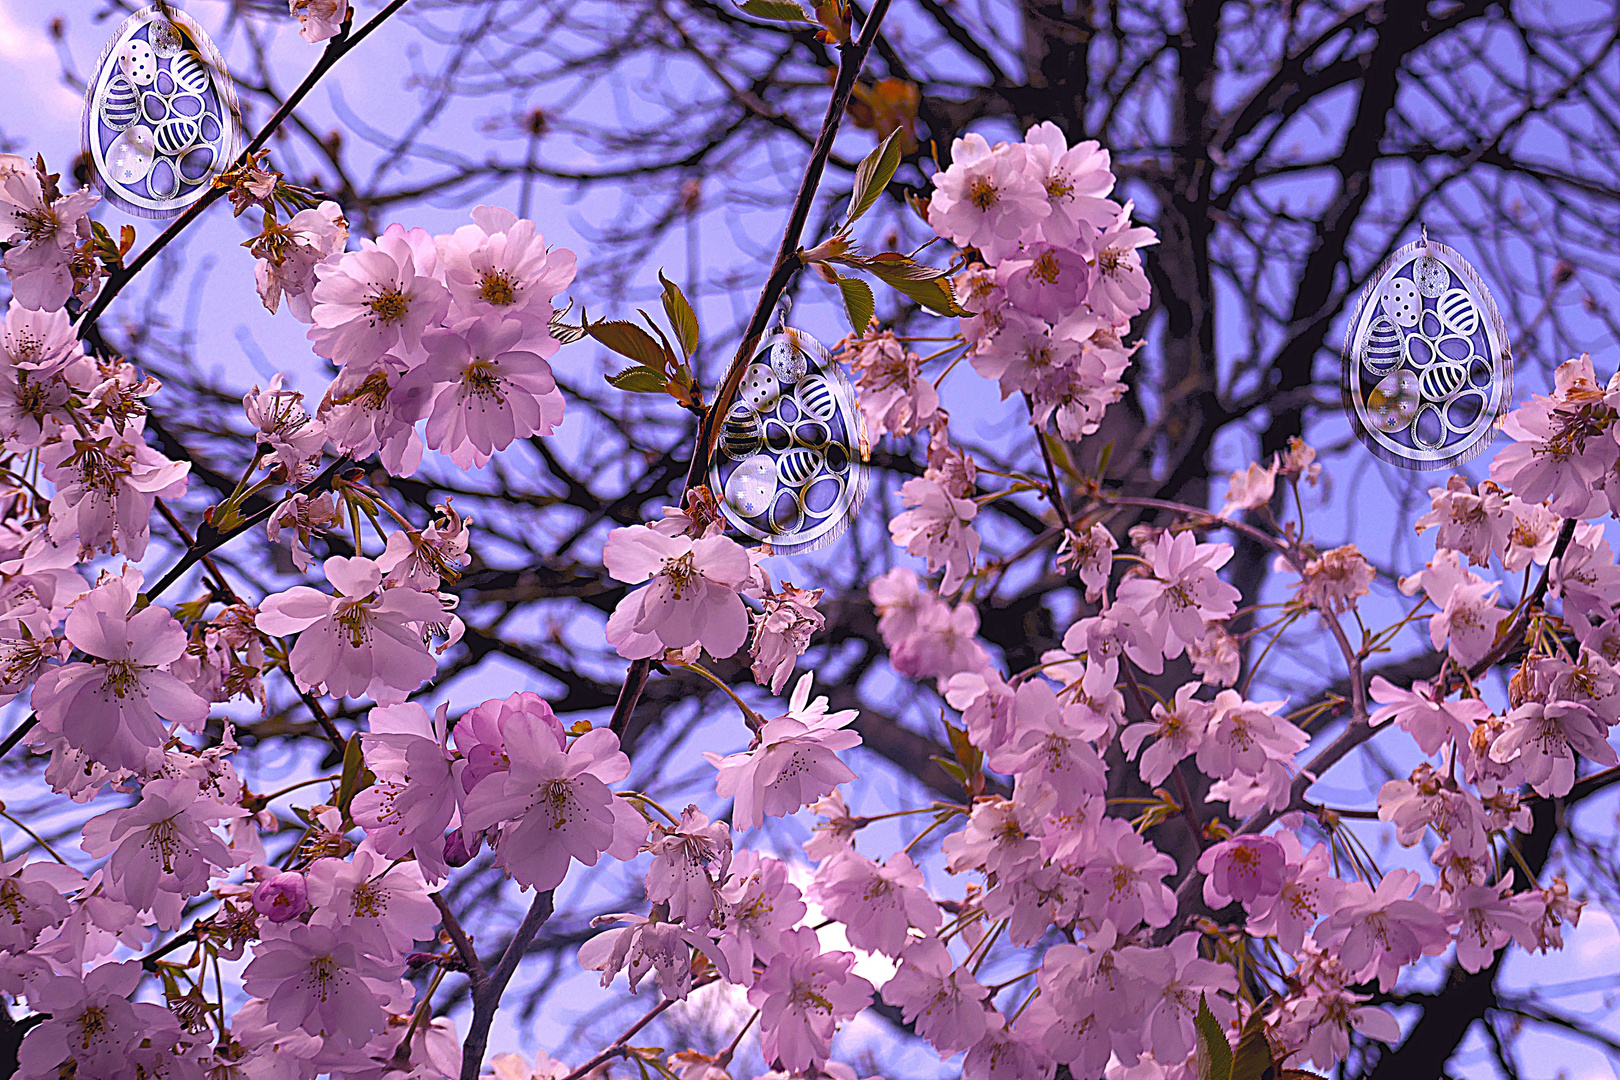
[
  {"x": 37, "y": 838},
  {"x": 621, "y": 1044},
  {"x": 487, "y": 989},
  {"x": 754, "y": 721}
]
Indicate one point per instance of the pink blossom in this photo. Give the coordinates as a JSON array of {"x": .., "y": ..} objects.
[
  {"x": 413, "y": 801},
  {"x": 1023, "y": 350},
  {"x": 1183, "y": 592},
  {"x": 499, "y": 268},
  {"x": 945, "y": 1003},
  {"x": 284, "y": 428},
  {"x": 1250, "y": 489},
  {"x": 1050, "y": 748},
  {"x": 378, "y": 299},
  {"x": 1381, "y": 931},
  {"x": 1244, "y": 736},
  {"x": 282, "y": 896},
  {"x": 319, "y": 19},
  {"x": 1560, "y": 454},
  {"x": 689, "y": 861},
  {"x": 792, "y": 762},
  {"x": 938, "y": 526},
  {"x": 782, "y": 632},
  {"x": 647, "y": 945},
  {"x": 761, "y": 906},
  {"x": 163, "y": 848},
  {"x": 360, "y": 641},
  {"x": 892, "y": 394},
  {"x": 1033, "y": 902},
  {"x": 986, "y": 703},
  {"x": 1121, "y": 289},
  {"x": 987, "y": 197},
  {"x": 1468, "y": 620},
  {"x": 32, "y": 900},
  {"x": 1544, "y": 740},
  {"x": 288, "y": 255},
  {"x": 379, "y": 904},
  {"x": 89, "y": 1025},
  {"x": 1046, "y": 281},
  {"x": 41, "y": 342},
  {"x": 1309, "y": 891},
  {"x": 106, "y": 485},
  {"x": 878, "y": 904},
  {"x": 692, "y": 597},
  {"x": 1248, "y": 869},
  {"x": 1124, "y": 880},
  {"x": 1003, "y": 1054},
  {"x": 1474, "y": 524},
  {"x": 1182, "y": 980},
  {"x": 479, "y": 390},
  {"x": 1090, "y": 555},
  {"x": 1331, "y": 582},
  {"x": 358, "y": 411},
  {"x": 551, "y": 806},
  {"x": 1077, "y": 182},
  {"x": 943, "y": 642},
  {"x": 1432, "y": 723},
  {"x": 801, "y": 996},
  {"x": 43, "y": 233},
  {"x": 114, "y": 709},
  {"x": 997, "y": 839},
  {"x": 1177, "y": 733},
  {"x": 318, "y": 980},
  {"x": 1486, "y": 918}
]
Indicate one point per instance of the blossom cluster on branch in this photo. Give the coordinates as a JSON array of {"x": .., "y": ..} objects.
[{"x": 1057, "y": 926}]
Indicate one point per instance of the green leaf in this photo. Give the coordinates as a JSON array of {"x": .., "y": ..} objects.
[
  {"x": 858, "y": 302},
  {"x": 927, "y": 285},
  {"x": 640, "y": 379},
  {"x": 353, "y": 762},
  {"x": 873, "y": 174},
  {"x": 1253, "y": 1059},
  {"x": 680, "y": 314},
  {"x": 776, "y": 10},
  {"x": 1214, "y": 1058},
  {"x": 628, "y": 339}
]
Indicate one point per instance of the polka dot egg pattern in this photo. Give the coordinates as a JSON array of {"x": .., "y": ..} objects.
[{"x": 1403, "y": 302}]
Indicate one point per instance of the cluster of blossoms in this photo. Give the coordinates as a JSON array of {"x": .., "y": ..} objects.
[{"x": 442, "y": 343}]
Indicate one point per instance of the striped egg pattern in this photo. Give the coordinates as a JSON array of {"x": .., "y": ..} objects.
[
  {"x": 120, "y": 102},
  {"x": 1382, "y": 350},
  {"x": 1439, "y": 381},
  {"x": 1458, "y": 313},
  {"x": 189, "y": 74},
  {"x": 796, "y": 467}
]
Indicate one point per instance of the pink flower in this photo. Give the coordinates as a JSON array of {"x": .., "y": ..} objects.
[
  {"x": 499, "y": 268},
  {"x": 1467, "y": 620},
  {"x": 43, "y": 233},
  {"x": 1486, "y": 919},
  {"x": 792, "y": 762},
  {"x": 801, "y": 997},
  {"x": 944, "y": 1002},
  {"x": 288, "y": 255},
  {"x": 1121, "y": 289},
  {"x": 689, "y": 861},
  {"x": 1183, "y": 592},
  {"x": 782, "y": 632},
  {"x": 479, "y": 390},
  {"x": 1244, "y": 736},
  {"x": 1544, "y": 740},
  {"x": 359, "y": 641},
  {"x": 1432, "y": 723},
  {"x": 1381, "y": 931},
  {"x": 1309, "y": 891},
  {"x": 1178, "y": 732},
  {"x": 988, "y": 196},
  {"x": 938, "y": 527},
  {"x": 1474, "y": 524},
  {"x": 997, "y": 839},
  {"x": 1050, "y": 749},
  {"x": 318, "y": 980},
  {"x": 1022, "y": 351},
  {"x": 552, "y": 806},
  {"x": 90, "y": 1026},
  {"x": 1250, "y": 489},
  {"x": 1124, "y": 881},
  {"x": 943, "y": 642},
  {"x": 692, "y": 597},
  {"x": 1183, "y": 981},
  {"x": 647, "y": 945},
  {"x": 413, "y": 800},
  {"x": 378, "y": 299},
  {"x": 379, "y": 904},
  {"x": 878, "y": 904},
  {"x": 986, "y": 703},
  {"x": 1090, "y": 555},
  {"x": 106, "y": 486},
  {"x": 1046, "y": 281},
  {"x": 1004, "y": 1054},
  {"x": 1248, "y": 869},
  {"x": 319, "y": 19},
  {"x": 38, "y": 341},
  {"x": 163, "y": 848},
  {"x": 1562, "y": 449},
  {"x": 359, "y": 414},
  {"x": 1077, "y": 182},
  {"x": 761, "y": 907},
  {"x": 284, "y": 428},
  {"x": 114, "y": 710},
  {"x": 282, "y": 896},
  {"x": 893, "y": 396}
]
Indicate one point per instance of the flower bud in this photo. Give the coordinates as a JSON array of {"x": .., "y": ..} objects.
[{"x": 281, "y": 897}]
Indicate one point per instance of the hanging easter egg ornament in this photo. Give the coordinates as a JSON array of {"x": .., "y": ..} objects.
[
  {"x": 790, "y": 464},
  {"x": 1427, "y": 370},
  {"x": 160, "y": 114}
]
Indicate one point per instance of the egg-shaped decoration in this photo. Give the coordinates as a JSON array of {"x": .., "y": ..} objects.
[
  {"x": 1424, "y": 334},
  {"x": 159, "y": 72},
  {"x": 741, "y": 435},
  {"x": 812, "y": 436}
]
